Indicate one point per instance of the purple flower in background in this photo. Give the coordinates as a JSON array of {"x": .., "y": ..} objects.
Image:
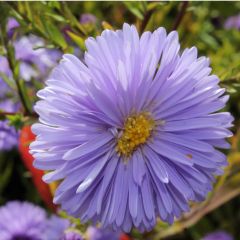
[
  {"x": 4, "y": 68},
  {"x": 219, "y": 235},
  {"x": 8, "y": 134},
  {"x": 56, "y": 227},
  {"x": 71, "y": 235},
  {"x": 43, "y": 59},
  {"x": 233, "y": 22},
  {"x": 87, "y": 18},
  {"x": 94, "y": 233},
  {"x": 11, "y": 25},
  {"x": 34, "y": 63},
  {"x": 22, "y": 220},
  {"x": 132, "y": 132},
  {"x": 25, "y": 221}
]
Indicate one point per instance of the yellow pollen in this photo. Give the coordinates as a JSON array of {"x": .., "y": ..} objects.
[{"x": 137, "y": 129}]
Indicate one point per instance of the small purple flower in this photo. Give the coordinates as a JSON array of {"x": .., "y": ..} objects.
[
  {"x": 219, "y": 235},
  {"x": 73, "y": 235},
  {"x": 60, "y": 229},
  {"x": 11, "y": 25},
  {"x": 43, "y": 59},
  {"x": 25, "y": 221},
  {"x": 22, "y": 220},
  {"x": 56, "y": 227},
  {"x": 34, "y": 63},
  {"x": 233, "y": 22},
  {"x": 4, "y": 68},
  {"x": 8, "y": 134},
  {"x": 133, "y": 132},
  {"x": 94, "y": 233},
  {"x": 87, "y": 18}
]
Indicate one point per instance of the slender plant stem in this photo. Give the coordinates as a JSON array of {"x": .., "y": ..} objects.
[
  {"x": 12, "y": 62},
  {"x": 67, "y": 13},
  {"x": 17, "y": 81},
  {"x": 9, "y": 113},
  {"x": 146, "y": 19},
  {"x": 180, "y": 15}
]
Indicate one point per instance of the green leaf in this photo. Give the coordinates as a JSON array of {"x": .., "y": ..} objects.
[
  {"x": 72, "y": 19},
  {"x": 28, "y": 10},
  {"x": 7, "y": 80},
  {"x": 107, "y": 25},
  {"x": 6, "y": 175},
  {"x": 25, "y": 94},
  {"x": 209, "y": 41},
  {"x": 16, "y": 121},
  {"x": 77, "y": 39},
  {"x": 53, "y": 4},
  {"x": 4, "y": 10},
  {"x": 153, "y": 5},
  {"x": 135, "y": 8},
  {"x": 54, "y": 34},
  {"x": 49, "y": 46},
  {"x": 56, "y": 17}
]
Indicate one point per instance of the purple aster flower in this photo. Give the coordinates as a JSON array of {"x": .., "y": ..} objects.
[
  {"x": 94, "y": 233},
  {"x": 22, "y": 220},
  {"x": 8, "y": 134},
  {"x": 88, "y": 18},
  {"x": 233, "y": 22},
  {"x": 133, "y": 131},
  {"x": 72, "y": 235},
  {"x": 219, "y": 235},
  {"x": 56, "y": 227}
]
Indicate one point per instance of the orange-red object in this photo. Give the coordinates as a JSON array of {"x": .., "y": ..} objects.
[
  {"x": 26, "y": 137},
  {"x": 124, "y": 237}
]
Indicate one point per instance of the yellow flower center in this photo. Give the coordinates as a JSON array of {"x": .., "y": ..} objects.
[{"x": 137, "y": 129}]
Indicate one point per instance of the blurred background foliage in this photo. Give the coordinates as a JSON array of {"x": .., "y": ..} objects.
[{"x": 65, "y": 26}]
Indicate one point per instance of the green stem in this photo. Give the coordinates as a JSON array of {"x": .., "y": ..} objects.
[
  {"x": 8, "y": 113},
  {"x": 146, "y": 19},
  {"x": 180, "y": 15},
  {"x": 67, "y": 13},
  {"x": 10, "y": 54}
]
